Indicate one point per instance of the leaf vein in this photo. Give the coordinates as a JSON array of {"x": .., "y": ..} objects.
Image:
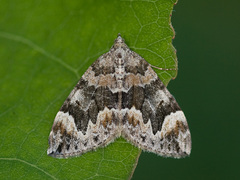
[
  {"x": 38, "y": 49},
  {"x": 32, "y": 165}
]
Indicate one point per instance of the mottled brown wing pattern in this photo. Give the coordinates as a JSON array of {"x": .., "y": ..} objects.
[
  {"x": 87, "y": 119},
  {"x": 120, "y": 95}
]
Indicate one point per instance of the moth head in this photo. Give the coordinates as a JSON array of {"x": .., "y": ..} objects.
[{"x": 119, "y": 42}]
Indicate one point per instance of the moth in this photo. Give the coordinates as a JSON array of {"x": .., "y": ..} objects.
[{"x": 120, "y": 95}]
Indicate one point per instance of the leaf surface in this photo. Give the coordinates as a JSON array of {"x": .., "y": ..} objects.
[{"x": 45, "y": 47}]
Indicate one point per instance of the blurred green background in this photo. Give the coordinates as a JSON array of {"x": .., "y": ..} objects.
[
  {"x": 208, "y": 90},
  {"x": 207, "y": 86}
]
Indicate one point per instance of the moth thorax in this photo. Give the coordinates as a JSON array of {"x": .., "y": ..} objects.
[
  {"x": 119, "y": 65},
  {"x": 119, "y": 61},
  {"x": 119, "y": 72}
]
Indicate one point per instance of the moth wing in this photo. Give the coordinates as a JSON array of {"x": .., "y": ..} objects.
[
  {"x": 154, "y": 121},
  {"x": 86, "y": 121}
]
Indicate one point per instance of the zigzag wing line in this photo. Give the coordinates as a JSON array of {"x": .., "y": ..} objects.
[
  {"x": 173, "y": 140},
  {"x": 120, "y": 94},
  {"x": 65, "y": 140}
]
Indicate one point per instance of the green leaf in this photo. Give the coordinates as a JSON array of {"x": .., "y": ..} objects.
[{"x": 45, "y": 47}]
